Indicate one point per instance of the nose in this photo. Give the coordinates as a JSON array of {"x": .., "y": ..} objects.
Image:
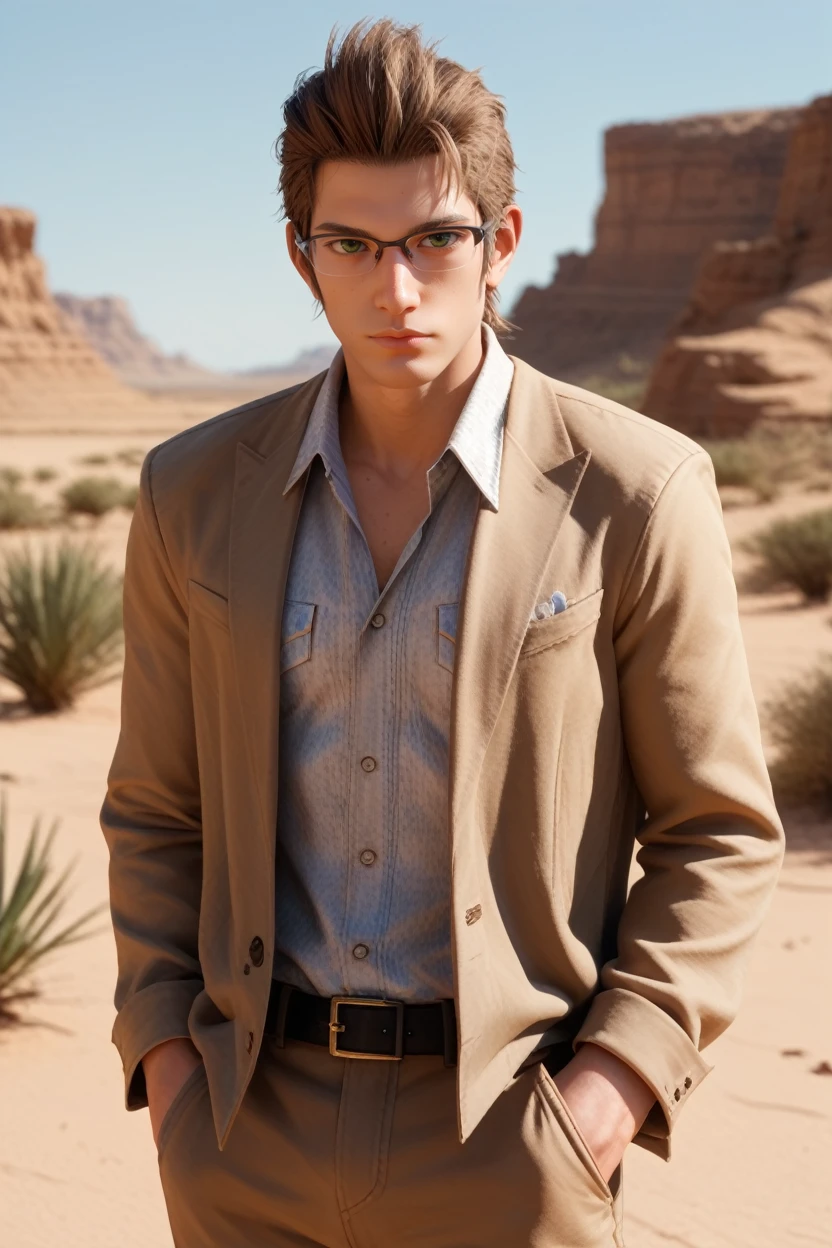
[{"x": 398, "y": 288}]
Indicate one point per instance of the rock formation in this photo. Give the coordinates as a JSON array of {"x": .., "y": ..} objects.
[
  {"x": 107, "y": 324},
  {"x": 672, "y": 189},
  {"x": 755, "y": 339},
  {"x": 49, "y": 374}
]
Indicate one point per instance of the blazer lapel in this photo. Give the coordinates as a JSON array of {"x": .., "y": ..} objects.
[
  {"x": 263, "y": 524},
  {"x": 510, "y": 550}
]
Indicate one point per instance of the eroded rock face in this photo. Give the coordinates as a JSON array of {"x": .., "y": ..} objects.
[
  {"x": 47, "y": 369},
  {"x": 672, "y": 190},
  {"x": 755, "y": 338},
  {"x": 107, "y": 324}
]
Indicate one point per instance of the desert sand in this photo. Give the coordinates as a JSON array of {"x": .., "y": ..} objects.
[{"x": 750, "y": 1153}]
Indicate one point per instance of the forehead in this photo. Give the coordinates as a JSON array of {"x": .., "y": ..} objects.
[{"x": 386, "y": 200}]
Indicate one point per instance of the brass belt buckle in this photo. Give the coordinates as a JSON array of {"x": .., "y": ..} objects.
[{"x": 336, "y": 1026}]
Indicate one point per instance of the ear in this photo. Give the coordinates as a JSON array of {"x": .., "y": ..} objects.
[
  {"x": 299, "y": 259},
  {"x": 506, "y": 241}
]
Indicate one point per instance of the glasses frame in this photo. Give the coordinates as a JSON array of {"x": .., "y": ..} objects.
[{"x": 479, "y": 232}]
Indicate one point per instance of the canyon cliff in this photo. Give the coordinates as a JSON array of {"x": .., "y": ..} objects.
[
  {"x": 48, "y": 371},
  {"x": 672, "y": 189},
  {"x": 754, "y": 340}
]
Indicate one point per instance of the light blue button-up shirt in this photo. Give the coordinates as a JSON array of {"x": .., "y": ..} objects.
[{"x": 363, "y": 861}]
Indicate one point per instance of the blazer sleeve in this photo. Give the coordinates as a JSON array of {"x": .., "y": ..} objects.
[
  {"x": 151, "y": 816},
  {"x": 711, "y": 844}
]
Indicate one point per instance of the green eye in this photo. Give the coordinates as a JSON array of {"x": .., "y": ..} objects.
[
  {"x": 348, "y": 246},
  {"x": 438, "y": 242}
]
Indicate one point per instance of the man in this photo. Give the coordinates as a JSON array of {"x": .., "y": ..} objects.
[{"x": 416, "y": 651}]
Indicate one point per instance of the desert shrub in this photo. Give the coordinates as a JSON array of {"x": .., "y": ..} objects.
[
  {"x": 92, "y": 496},
  {"x": 19, "y": 509},
  {"x": 30, "y": 927},
  {"x": 746, "y": 463},
  {"x": 10, "y": 478},
  {"x": 797, "y": 553},
  {"x": 94, "y": 461},
  {"x": 129, "y": 497},
  {"x": 60, "y": 623},
  {"x": 800, "y": 724},
  {"x": 130, "y": 456},
  {"x": 44, "y": 474}
]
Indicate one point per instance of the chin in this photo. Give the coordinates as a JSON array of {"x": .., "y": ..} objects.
[{"x": 404, "y": 374}]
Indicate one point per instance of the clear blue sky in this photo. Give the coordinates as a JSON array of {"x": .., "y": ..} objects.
[{"x": 141, "y": 133}]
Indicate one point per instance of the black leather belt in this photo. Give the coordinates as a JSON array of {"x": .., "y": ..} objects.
[{"x": 363, "y": 1027}]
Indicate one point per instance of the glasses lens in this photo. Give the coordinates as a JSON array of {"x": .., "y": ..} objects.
[
  {"x": 342, "y": 257},
  {"x": 436, "y": 252},
  {"x": 442, "y": 250}
]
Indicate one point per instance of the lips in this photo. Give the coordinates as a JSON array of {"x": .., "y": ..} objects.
[{"x": 403, "y": 336}]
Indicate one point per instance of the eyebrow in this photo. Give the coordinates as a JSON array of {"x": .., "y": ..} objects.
[{"x": 337, "y": 227}]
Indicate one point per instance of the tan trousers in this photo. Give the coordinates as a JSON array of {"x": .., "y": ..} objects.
[{"x": 365, "y": 1154}]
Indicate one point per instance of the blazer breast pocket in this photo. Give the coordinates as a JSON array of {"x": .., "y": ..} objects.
[
  {"x": 557, "y": 629},
  {"x": 296, "y": 634},
  {"x": 208, "y": 603}
]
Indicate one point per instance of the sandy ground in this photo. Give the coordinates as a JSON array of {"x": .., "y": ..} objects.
[{"x": 750, "y": 1151}]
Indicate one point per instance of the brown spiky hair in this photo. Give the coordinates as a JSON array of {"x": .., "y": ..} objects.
[{"x": 384, "y": 97}]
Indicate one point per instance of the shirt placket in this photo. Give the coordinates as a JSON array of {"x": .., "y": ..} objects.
[{"x": 380, "y": 685}]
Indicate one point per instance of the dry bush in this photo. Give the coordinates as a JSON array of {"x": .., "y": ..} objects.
[
  {"x": 795, "y": 553},
  {"x": 92, "y": 496},
  {"x": 60, "y": 623},
  {"x": 43, "y": 475},
  {"x": 800, "y": 724},
  {"x": 19, "y": 509},
  {"x": 130, "y": 456},
  {"x": 129, "y": 497},
  {"x": 743, "y": 463},
  {"x": 94, "y": 461}
]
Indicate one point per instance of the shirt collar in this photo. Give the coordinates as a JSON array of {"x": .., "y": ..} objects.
[{"x": 476, "y": 439}]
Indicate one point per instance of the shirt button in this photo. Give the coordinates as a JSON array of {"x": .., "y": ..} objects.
[
  {"x": 378, "y": 620},
  {"x": 360, "y": 952},
  {"x": 367, "y": 857},
  {"x": 368, "y": 764}
]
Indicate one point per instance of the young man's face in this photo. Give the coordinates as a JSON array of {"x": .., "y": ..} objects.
[{"x": 445, "y": 307}]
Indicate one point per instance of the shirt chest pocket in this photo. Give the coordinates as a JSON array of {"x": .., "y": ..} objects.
[
  {"x": 446, "y": 619},
  {"x": 296, "y": 634}
]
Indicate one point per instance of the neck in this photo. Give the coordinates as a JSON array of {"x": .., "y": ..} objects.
[{"x": 400, "y": 433}]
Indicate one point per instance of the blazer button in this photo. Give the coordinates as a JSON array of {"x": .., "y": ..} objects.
[{"x": 256, "y": 951}]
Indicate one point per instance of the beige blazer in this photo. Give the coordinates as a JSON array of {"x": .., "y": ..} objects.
[{"x": 564, "y": 731}]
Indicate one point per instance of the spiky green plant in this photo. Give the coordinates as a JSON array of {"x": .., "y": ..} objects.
[
  {"x": 795, "y": 552},
  {"x": 800, "y": 724},
  {"x": 60, "y": 623},
  {"x": 30, "y": 929},
  {"x": 92, "y": 496}
]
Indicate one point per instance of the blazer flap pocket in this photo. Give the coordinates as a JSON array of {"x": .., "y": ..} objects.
[
  {"x": 557, "y": 628},
  {"x": 208, "y": 602}
]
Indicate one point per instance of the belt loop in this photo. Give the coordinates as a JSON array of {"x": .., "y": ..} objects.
[
  {"x": 284, "y": 997},
  {"x": 449, "y": 1032}
]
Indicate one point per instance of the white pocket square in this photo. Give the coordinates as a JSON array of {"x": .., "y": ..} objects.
[{"x": 551, "y": 606}]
